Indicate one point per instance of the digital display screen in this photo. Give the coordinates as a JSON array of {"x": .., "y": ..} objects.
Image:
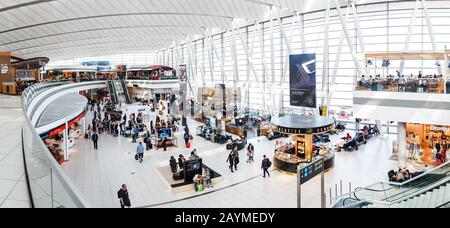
[
  {"x": 303, "y": 80},
  {"x": 25, "y": 75},
  {"x": 165, "y": 133}
]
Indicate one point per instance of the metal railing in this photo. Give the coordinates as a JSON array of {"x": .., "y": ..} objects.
[
  {"x": 49, "y": 185},
  {"x": 386, "y": 194}
]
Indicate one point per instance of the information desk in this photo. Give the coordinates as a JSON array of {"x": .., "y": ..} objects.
[{"x": 302, "y": 129}]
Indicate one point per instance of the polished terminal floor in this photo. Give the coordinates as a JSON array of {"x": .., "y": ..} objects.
[
  {"x": 13, "y": 188},
  {"x": 99, "y": 174}
]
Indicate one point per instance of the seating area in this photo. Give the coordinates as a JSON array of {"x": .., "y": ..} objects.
[{"x": 411, "y": 84}]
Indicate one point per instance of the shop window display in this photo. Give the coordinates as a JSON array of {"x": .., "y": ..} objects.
[{"x": 428, "y": 143}]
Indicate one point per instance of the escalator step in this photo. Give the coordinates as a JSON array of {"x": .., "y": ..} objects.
[
  {"x": 440, "y": 197},
  {"x": 447, "y": 194},
  {"x": 418, "y": 201},
  {"x": 429, "y": 199}
]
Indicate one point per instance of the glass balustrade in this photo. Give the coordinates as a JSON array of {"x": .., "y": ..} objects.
[
  {"x": 385, "y": 194},
  {"x": 408, "y": 85}
]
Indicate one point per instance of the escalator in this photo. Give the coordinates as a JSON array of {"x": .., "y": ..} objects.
[
  {"x": 119, "y": 92},
  {"x": 429, "y": 190},
  {"x": 435, "y": 198},
  {"x": 125, "y": 91},
  {"x": 112, "y": 92}
]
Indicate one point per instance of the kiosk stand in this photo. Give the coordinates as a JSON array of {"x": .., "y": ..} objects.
[{"x": 302, "y": 128}]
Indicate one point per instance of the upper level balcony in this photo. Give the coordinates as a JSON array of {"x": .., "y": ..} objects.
[
  {"x": 435, "y": 84},
  {"x": 394, "y": 94}
]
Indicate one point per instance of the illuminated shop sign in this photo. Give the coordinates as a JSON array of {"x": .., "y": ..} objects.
[
  {"x": 440, "y": 128},
  {"x": 4, "y": 68},
  {"x": 63, "y": 127}
]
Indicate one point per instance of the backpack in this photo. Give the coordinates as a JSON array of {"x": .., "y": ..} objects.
[{"x": 269, "y": 163}]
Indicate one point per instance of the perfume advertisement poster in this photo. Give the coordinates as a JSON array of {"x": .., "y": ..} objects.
[{"x": 303, "y": 80}]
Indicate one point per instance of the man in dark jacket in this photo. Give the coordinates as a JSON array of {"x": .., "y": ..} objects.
[
  {"x": 266, "y": 164},
  {"x": 231, "y": 161},
  {"x": 164, "y": 144},
  {"x": 148, "y": 142},
  {"x": 173, "y": 164},
  {"x": 181, "y": 161},
  {"x": 94, "y": 138},
  {"x": 124, "y": 198}
]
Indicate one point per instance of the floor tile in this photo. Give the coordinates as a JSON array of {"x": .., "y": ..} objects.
[
  {"x": 8, "y": 203},
  {"x": 6, "y": 186},
  {"x": 11, "y": 172},
  {"x": 97, "y": 172},
  {"x": 20, "y": 192}
]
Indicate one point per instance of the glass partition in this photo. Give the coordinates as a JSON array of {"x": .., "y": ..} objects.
[
  {"x": 407, "y": 85},
  {"x": 387, "y": 194},
  {"x": 49, "y": 185}
]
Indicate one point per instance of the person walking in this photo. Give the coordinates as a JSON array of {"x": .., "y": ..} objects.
[
  {"x": 135, "y": 134},
  {"x": 266, "y": 164},
  {"x": 250, "y": 153},
  {"x": 231, "y": 161},
  {"x": 173, "y": 164},
  {"x": 148, "y": 142},
  {"x": 124, "y": 197},
  {"x": 164, "y": 144},
  {"x": 236, "y": 157},
  {"x": 140, "y": 152},
  {"x": 94, "y": 139},
  {"x": 186, "y": 137}
]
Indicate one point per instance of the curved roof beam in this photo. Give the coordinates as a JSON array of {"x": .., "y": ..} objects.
[
  {"x": 93, "y": 44},
  {"x": 102, "y": 37},
  {"x": 25, "y": 4},
  {"x": 102, "y": 29},
  {"x": 37, "y": 2},
  {"x": 116, "y": 15}
]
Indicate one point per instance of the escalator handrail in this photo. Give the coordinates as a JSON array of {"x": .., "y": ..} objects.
[
  {"x": 422, "y": 191},
  {"x": 412, "y": 189},
  {"x": 420, "y": 176},
  {"x": 406, "y": 182},
  {"x": 352, "y": 205},
  {"x": 393, "y": 184}
]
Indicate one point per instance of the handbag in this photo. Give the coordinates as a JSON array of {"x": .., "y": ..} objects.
[{"x": 136, "y": 157}]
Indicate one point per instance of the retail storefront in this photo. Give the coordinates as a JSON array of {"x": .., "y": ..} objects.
[{"x": 427, "y": 143}]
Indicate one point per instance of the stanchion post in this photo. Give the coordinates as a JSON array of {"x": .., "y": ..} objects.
[{"x": 299, "y": 188}]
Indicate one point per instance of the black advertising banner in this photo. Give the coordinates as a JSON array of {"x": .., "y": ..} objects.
[{"x": 303, "y": 80}]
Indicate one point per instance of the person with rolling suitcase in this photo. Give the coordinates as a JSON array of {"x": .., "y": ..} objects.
[
  {"x": 186, "y": 137},
  {"x": 140, "y": 152},
  {"x": 250, "y": 153}
]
